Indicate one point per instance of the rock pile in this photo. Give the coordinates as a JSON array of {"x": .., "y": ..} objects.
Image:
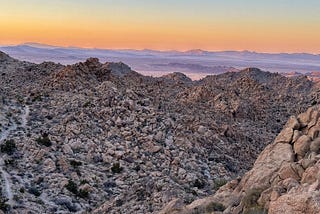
[{"x": 284, "y": 178}]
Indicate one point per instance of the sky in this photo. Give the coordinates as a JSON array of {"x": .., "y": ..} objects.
[{"x": 255, "y": 25}]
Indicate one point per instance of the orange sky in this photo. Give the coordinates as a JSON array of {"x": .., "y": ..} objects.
[{"x": 152, "y": 25}]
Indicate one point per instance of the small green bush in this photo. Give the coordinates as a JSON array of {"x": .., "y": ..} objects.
[
  {"x": 84, "y": 182},
  {"x": 22, "y": 190},
  {"x": 3, "y": 205},
  {"x": 250, "y": 202},
  {"x": 219, "y": 182},
  {"x": 199, "y": 184},
  {"x": 255, "y": 210},
  {"x": 251, "y": 197},
  {"x": 37, "y": 98},
  {"x": 214, "y": 206},
  {"x": 10, "y": 162},
  {"x": 44, "y": 140},
  {"x": 72, "y": 187},
  {"x": 116, "y": 168},
  {"x": 83, "y": 193},
  {"x": 86, "y": 104},
  {"x": 34, "y": 191},
  {"x": 75, "y": 164},
  {"x": 8, "y": 147}
]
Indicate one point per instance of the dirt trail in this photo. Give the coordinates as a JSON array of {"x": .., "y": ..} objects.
[{"x": 5, "y": 176}]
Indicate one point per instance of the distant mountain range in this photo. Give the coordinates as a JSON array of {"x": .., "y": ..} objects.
[{"x": 196, "y": 63}]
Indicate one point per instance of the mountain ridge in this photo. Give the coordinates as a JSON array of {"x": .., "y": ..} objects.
[
  {"x": 148, "y": 61},
  {"x": 195, "y": 51}
]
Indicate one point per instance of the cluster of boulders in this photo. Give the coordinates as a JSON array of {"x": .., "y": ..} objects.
[
  {"x": 284, "y": 178},
  {"x": 99, "y": 137}
]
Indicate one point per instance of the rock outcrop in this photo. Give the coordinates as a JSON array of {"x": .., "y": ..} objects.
[
  {"x": 284, "y": 179},
  {"x": 177, "y": 77}
]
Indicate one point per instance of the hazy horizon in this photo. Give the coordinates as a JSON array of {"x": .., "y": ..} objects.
[
  {"x": 262, "y": 26},
  {"x": 35, "y": 43}
]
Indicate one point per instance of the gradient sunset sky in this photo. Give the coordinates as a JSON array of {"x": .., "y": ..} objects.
[{"x": 257, "y": 25}]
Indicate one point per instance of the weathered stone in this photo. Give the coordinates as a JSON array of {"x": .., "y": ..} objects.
[
  {"x": 302, "y": 146},
  {"x": 307, "y": 162},
  {"x": 267, "y": 164},
  {"x": 296, "y": 136},
  {"x": 313, "y": 132},
  {"x": 49, "y": 165},
  {"x": 287, "y": 171},
  {"x": 290, "y": 183},
  {"x": 67, "y": 149},
  {"x": 202, "y": 129},
  {"x": 295, "y": 203},
  {"x": 285, "y": 136},
  {"x": 64, "y": 166},
  {"x": 175, "y": 206},
  {"x": 155, "y": 149},
  {"x": 313, "y": 119},
  {"x": 305, "y": 117},
  {"x": 310, "y": 175},
  {"x": 293, "y": 123},
  {"x": 315, "y": 145},
  {"x": 159, "y": 136}
]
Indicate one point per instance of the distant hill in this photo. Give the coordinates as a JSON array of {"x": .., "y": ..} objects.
[{"x": 197, "y": 63}]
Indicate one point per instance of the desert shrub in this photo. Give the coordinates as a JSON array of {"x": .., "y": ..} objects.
[
  {"x": 8, "y": 147},
  {"x": 250, "y": 202},
  {"x": 82, "y": 193},
  {"x": 251, "y": 197},
  {"x": 214, "y": 206},
  {"x": 116, "y": 168},
  {"x": 49, "y": 117},
  {"x": 86, "y": 104},
  {"x": 44, "y": 140},
  {"x": 3, "y": 204},
  {"x": 255, "y": 210},
  {"x": 72, "y": 187},
  {"x": 34, "y": 191},
  {"x": 10, "y": 162},
  {"x": 219, "y": 182},
  {"x": 84, "y": 182},
  {"x": 75, "y": 164},
  {"x": 199, "y": 184},
  {"x": 22, "y": 190},
  {"x": 37, "y": 98}
]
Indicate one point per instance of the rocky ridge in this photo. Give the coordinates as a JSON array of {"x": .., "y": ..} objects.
[{"x": 101, "y": 138}]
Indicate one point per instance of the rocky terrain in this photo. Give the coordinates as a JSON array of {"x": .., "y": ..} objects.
[
  {"x": 284, "y": 178},
  {"x": 313, "y": 76},
  {"x": 100, "y": 138}
]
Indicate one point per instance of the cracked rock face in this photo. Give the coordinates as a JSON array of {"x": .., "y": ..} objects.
[{"x": 100, "y": 138}]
